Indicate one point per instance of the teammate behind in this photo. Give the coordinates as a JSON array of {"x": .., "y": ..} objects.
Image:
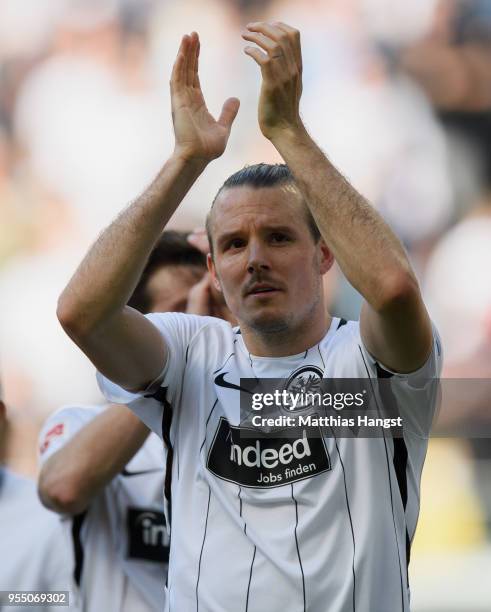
[
  {"x": 33, "y": 554},
  {"x": 105, "y": 473},
  {"x": 307, "y": 522}
]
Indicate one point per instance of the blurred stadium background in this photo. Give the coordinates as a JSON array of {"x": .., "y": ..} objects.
[{"x": 397, "y": 93}]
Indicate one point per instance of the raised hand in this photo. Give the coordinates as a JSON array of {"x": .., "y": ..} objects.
[
  {"x": 280, "y": 61},
  {"x": 204, "y": 298},
  {"x": 198, "y": 135},
  {"x": 199, "y": 239}
]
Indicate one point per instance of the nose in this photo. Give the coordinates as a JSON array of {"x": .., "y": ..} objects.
[{"x": 258, "y": 258}]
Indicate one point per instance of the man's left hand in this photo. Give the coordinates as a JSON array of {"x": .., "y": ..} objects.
[{"x": 280, "y": 60}]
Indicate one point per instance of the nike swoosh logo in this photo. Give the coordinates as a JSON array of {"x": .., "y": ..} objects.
[
  {"x": 126, "y": 472},
  {"x": 221, "y": 382}
]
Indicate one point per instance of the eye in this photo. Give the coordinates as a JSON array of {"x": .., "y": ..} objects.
[
  {"x": 277, "y": 237},
  {"x": 235, "y": 243}
]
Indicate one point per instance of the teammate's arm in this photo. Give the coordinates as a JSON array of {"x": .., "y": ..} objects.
[
  {"x": 74, "y": 474},
  {"x": 121, "y": 343},
  {"x": 394, "y": 322}
]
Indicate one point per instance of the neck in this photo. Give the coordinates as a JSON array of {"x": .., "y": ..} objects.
[{"x": 288, "y": 342}]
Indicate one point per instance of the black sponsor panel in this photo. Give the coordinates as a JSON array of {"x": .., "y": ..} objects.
[
  {"x": 251, "y": 458},
  {"x": 147, "y": 535}
]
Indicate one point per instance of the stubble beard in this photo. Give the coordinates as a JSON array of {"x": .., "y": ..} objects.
[{"x": 284, "y": 326}]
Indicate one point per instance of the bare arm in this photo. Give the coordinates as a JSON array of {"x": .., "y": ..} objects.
[
  {"x": 76, "y": 473},
  {"x": 394, "y": 322},
  {"x": 455, "y": 77},
  {"x": 120, "y": 342}
]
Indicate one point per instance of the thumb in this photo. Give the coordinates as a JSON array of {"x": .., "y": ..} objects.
[
  {"x": 199, "y": 239},
  {"x": 229, "y": 112},
  {"x": 199, "y": 297}
]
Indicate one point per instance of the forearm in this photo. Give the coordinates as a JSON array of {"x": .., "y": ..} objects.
[
  {"x": 71, "y": 477},
  {"x": 367, "y": 251},
  {"x": 105, "y": 279},
  {"x": 122, "y": 344},
  {"x": 453, "y": 77}
]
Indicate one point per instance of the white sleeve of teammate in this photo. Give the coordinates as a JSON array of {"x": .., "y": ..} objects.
[
  {"x": 61, "y": 426},
  {"x": 178, "y": 331},
  {"x": 416, "y": 392}
]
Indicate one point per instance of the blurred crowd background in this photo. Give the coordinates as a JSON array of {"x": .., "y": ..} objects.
[{"x": 397, "y": 93}]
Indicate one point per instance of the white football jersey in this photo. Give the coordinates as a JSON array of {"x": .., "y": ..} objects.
[
  {"x": 120, "y": 543},
  {"x": 33, "y": 553},
  {"x": 318, "y": 524}
]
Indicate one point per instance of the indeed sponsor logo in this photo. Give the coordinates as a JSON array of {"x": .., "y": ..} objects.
[
  {"x": 254, "y": 456},
  {"x": 254, "y": 459},
  {"x": 153, "y": 532},
  {"x": 147, "y": 535}
]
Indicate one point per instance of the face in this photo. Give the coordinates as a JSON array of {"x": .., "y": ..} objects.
[
  {"x": 265, "y": 259},
  {"x": 168, "y": 287}
]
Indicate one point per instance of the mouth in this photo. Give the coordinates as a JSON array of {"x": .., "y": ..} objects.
[{"x": 262, "y": 289}]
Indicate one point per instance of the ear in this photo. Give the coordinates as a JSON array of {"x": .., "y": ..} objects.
[
  {"x": 212, "y": 270},
  {"x": 326, "y": 257}
]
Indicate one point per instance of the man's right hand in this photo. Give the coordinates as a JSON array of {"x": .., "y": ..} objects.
[
  {"x": 199, "y": 137},
  {"x": 122, "y": 344}
]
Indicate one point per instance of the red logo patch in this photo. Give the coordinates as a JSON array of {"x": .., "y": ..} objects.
[{"x": 55, "y": 431}]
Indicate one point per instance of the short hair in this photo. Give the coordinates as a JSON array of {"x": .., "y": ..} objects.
[
  {"x": 257, "y": 176},
  {"x": 172, "y": 249}
]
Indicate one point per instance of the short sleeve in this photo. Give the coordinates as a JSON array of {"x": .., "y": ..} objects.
[
  {"x": 415, "y": 393},
  {"x": 178, "y": 331},
  {"x": 430, "y": 369},
  {"x": 61, "y": 426}
]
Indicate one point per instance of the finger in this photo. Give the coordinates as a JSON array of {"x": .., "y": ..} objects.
[
  {"x": 229, "y": 112},
  {"x": 258, "y": 56},
  {"x": 177, "y": 76},
  {"x": 270, "y": 46},
  {"x": 202, "y": 285},
  {"x": 294, "y": 39},
  {"x": 274, "y": 50},
  {"x": 267, "y": 29},
  {"x": 286, "y": 28},
  {"x": 196, "y": 82},
  {"x": 199, "y": 240},
  {"x": 274, "y": 40},
  {"x": 191, "y": 59},
  {"x": 199, "y": 297}
]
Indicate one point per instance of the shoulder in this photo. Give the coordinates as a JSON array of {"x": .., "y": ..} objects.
[
  {"x": 342, "y": 334},
  {"x": 345, "y": 345},
  {"x": 181, "y": 319},
  {"x": 187, "y": 326}
]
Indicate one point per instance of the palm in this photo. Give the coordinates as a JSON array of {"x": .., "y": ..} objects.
[
  {"x": 198, "y": 134},
  {"x": 196, "y": 129}
]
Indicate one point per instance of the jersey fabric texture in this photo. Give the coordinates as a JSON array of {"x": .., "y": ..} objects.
[
  {"x": 120, "y": 543},
  {"x": 33, "y": 551},
  {"x": 329, "y": 532}
]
